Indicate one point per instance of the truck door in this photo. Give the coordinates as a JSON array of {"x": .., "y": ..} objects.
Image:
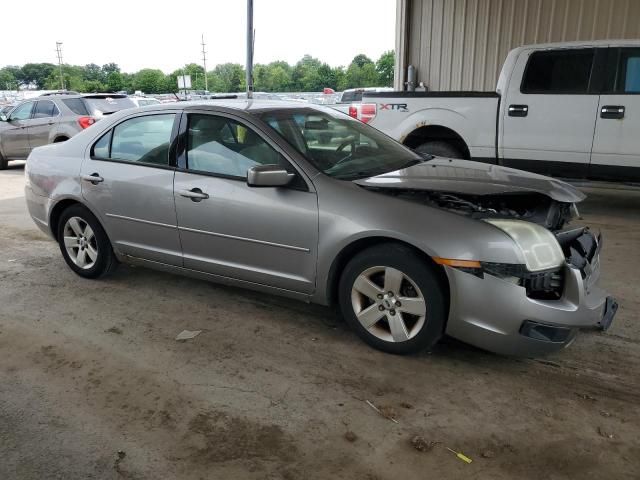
[
  {"x": 549, "y": 113},
  {"x": 616, "y": 148}
]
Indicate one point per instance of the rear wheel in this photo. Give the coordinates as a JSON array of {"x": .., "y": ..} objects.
[
  {"x": 393, "y": 299},
  {"x": 440, "y": 148},
  {"x": 84, "y": 243}
]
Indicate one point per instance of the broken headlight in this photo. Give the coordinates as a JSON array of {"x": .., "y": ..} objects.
[{"x": 540, "y": 248}]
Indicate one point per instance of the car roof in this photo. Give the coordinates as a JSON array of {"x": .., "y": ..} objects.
[
  {"x": 238, "y": 104},
  {"x": 584, "y": 43}
]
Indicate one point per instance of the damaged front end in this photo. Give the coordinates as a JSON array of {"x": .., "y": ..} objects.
[{"x": 576, "y": 250}]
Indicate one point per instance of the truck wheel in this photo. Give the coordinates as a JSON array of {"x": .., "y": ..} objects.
[
  {"x": 440, "y": 148},
  {"x": 393, "y": 299}
]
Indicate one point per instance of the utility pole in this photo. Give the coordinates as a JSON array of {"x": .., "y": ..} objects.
[
  {"x": 204, "y": 64},
  {"x": 59, "y": 52},
  {"x": 249, "y": 49}
]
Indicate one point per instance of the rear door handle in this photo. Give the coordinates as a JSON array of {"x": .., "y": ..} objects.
[
  {"x": 94, "y": 178},
  {"x": 518, "y": 110},
  {"x": 612, "y": 111},
  {"x": 195, "y": 194}
]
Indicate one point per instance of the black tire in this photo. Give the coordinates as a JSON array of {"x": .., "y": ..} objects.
[
  {"x": 106, "y": 261},
  {"x": 426, "y": 333},
  {"x": 4, "y": 163},
  {"x": 440, "y": 148}
]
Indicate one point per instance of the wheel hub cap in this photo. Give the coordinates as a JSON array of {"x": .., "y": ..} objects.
[{"x": 388, "y": 303}]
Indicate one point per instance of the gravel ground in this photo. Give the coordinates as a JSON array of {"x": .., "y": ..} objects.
[{"x": 94, "y": 386}]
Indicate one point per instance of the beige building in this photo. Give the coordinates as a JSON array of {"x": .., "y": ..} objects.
[{"x": 461, "y": 44}]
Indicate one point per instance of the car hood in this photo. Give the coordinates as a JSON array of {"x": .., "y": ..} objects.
[{"x": 472, "y": 178}]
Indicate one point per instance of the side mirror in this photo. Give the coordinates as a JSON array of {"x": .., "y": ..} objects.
[
  {"x": 3, "y": 118},
  {"x": 268, "y": 176}
]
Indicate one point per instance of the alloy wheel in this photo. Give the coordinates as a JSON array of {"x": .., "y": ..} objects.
[
  {"x": 80, "y": 243},
  {"x": 388, "y": 304}
]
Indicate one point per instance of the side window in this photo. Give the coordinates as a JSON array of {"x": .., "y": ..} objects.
[
  {"x": 45, "y": 109},
  {"x": 558, "y": 72},
  {"x": 23, "y": 112},
  {"x": 629, "y": 71},
  {"x": 101, "y": 147},
  {"x": 140, "y": 140},
  {"x": 223, "y": 146}
]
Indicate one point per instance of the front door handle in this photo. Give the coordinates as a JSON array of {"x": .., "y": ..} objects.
[
  {"x": 612, "y": 111},
  {"x": 195, "y": 194},
  {"x": 94, "y": 178},
  {"x": 518, "y": 110}
]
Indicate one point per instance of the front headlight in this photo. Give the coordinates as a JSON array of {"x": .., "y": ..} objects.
[{"x": 539, "y": 247}]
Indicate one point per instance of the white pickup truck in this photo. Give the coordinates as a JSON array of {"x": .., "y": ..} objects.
[{"x": 565, "y": 109}]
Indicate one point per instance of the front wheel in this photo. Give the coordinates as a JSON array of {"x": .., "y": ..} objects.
[
  {"x": 393, "y": 299},
  {"x": 84, "y": 243}
]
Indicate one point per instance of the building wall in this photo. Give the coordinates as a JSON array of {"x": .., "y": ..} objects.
[{"x": 461, "y": 44}]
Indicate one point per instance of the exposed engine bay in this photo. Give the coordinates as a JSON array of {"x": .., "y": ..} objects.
[{"x": 531, "y": 207}]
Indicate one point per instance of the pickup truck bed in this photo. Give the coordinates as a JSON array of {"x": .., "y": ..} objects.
[{"x": 401, "y": 115}]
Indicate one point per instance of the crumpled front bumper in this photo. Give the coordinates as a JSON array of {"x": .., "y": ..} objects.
[{"x": 497, "y": 315}]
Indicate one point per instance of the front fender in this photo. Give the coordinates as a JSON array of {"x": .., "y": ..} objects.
[{"x": 350, "y": 213}]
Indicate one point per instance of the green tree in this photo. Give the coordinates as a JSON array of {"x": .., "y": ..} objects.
[
  {"x": 109, "y": 68},
  {"x": 149, "y": 80},
  {"x": 114, "y": 82},
  {"x": 361, "y": 60},
  {"x": 385, "y": 68},
  {"x": 8, "y": 80},
  {"x": 36, "y": 74},
  {"x": 227, "y": 78},
  {"x": 273, "y": 77},
  {"x": 360, "y": 73}
]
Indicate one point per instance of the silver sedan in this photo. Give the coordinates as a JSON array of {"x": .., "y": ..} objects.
[{"x": 306, "y": 202}]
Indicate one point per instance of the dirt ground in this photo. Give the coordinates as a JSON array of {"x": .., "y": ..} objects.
[{"x": 94, "y": 386}]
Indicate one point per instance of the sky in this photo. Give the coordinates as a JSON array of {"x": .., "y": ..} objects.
[{"x": 167, "y": 35}]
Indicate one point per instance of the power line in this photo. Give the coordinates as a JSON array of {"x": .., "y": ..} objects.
[
  {"x": 204, "y": 63},
  {"x": 59, "y": 53}
]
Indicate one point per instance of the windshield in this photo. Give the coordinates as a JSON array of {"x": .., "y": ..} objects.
[{"x": 337, "y": 145}]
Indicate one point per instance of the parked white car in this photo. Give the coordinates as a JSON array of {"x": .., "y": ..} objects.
[
  {"x": 566, "y": 109},
  {"x": 144, "y": 101}
]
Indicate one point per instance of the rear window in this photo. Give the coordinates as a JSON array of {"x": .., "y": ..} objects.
[
  {"x": 107, "y": 105},
  {"x": 76, "y": 105},
  {"x": 557, "y": 72},
  {"x": 349, "y": 97}
]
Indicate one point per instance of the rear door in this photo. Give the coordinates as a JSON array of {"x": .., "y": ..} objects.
[
  {"x": 127, "y": 179},
  {"x": 549, "y": 117},
  {"x": 43, "y": 119},
  {"x": 15, "y": 134},
  {"x": 616, "y": 147},
  {"x": 265, "y": 236}
]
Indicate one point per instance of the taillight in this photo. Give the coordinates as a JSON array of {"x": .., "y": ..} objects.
[
  {"x": 86, "y": 122},
  {"x": 365, "y": 112}
]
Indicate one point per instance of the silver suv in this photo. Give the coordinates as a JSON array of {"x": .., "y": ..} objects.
[{"x": 51, "y": 119}]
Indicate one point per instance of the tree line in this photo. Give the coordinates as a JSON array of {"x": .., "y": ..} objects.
[{"x": 308, "y": 75}]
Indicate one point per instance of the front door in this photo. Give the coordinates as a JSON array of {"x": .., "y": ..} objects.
[
  {"x": 15, "y": 134},
  {"x": 43, "y": 120},
  {"x": 549, "y": 117},
  {"x": 127, "y": 180},
  {"x": 264, "y": 236},
  {"x": 616, "y": 148}
]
